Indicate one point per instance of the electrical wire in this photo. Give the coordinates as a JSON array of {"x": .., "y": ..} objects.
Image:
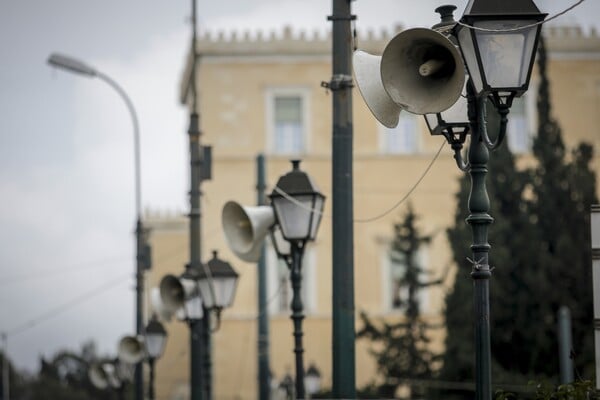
[
  {"x": 379, "y": 216},
  {"x": 522, "y": 27},
  {"x": 53, "y": 312}
]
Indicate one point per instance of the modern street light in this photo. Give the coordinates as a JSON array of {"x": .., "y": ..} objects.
[
  {"x": 155, "y": 339},
  {"x": 498, "y": 41},
  {"x": 143, "y": 252},
  {"x": 298, "y": 208}
]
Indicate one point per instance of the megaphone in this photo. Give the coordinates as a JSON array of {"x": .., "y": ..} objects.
[
  {"x": 245, "y": 228},
  {"x": 174, "y": 291},
  {"x": 368, "y": 79},
  {"x": 131, "y": 349},
  {"x": 98, "y": 375},
  {"x": 420, "y": 70},
  {"x": 158, "y": 306}
]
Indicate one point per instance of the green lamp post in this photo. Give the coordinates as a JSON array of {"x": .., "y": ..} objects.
[
  {"x": 298, "y": 208},
  {"x": 498, "y": 42}
]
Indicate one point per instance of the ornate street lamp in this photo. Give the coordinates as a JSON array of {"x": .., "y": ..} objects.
[
  {"x": 312, "y": 380},
  {"x": 298, "y": 207},
  {"x": 498, "y": 42},
  {"x": 155, "y": 340},
  {"x": 217, "y": 284}
]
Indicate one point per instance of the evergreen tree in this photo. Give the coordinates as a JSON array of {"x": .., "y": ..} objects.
[
  {"x": 404, "y": 353},
  {"x": 540, "y": 257}
]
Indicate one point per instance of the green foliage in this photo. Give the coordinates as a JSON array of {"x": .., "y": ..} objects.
[
  {"x": 579, "y": 390},
  {"x": 541, "y": 258},
  {"x": 403, "y": 354}
]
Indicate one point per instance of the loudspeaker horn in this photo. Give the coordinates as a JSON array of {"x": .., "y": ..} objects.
[
  {"x": 98, "y": 376},
  {"x": 174, "y": 291},
  {"x": 245, "y": 228},
  {"x": 131, "y": 349},
  {"x": 422, "y": 71},
  {"x": 162, "y": 312},
  {"x": 367, "y": 74}
]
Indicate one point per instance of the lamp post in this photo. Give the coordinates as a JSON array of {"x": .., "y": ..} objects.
[
  {"x": 312, "y": 380},
  {"x": 143, "y": 260},
  {"x": 155, "y": 339},
  {"x": 498, "y": 41},
  {"x": 298, "y": 208},
  {"x": 217, "y": 282}
]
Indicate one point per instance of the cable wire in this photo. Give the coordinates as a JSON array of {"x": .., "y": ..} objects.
[
  {"x": 379, "y": 216},
  {"x": 521, "y": 27},
  {"x": 53, "y": 312}
]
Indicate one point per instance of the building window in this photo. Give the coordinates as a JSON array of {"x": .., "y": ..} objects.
[
  {"x": 395, "y": 294},
  {"x": 279, "y": 293},
  {"x": 403, "y": 139},
  {"x": 287, "y": 115},
  {"x": 517, "y": 129}
]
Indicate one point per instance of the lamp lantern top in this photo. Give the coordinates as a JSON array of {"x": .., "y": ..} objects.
[
  {"x": 498, "y": 41},
  {"x": 298, "y": 205}
]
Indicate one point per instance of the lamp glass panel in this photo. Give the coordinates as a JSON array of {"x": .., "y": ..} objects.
[
  {"x": 155, "y": 344},
  {"x": 193, "y": 308},
  {"x": 506, "y": 55},
  {"x": 465, "y": 40},
  {"x": 312, "y": 383},
  {"x": 432, "y": 122},
  {"x": 595, "y": 222},
  {"x": 224, "y": 291},
  {"x": 281, "y": 245},
  {"x": 458, "y": 112},
  {"x": 294, "y": 217},
  {"x": 317, "y": 216}
]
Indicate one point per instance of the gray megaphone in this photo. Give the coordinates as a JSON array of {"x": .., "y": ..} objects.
[
  {"x": 367, "y": 74},
  {"x": 245, "y": 228},
  {"x": 98, "y": 375},
  {"x": 174, "y": 291},
  {"x": 422, "y": 71},
  {"x": 131, "y": 349},
  {"x": 158, "y": 306}
]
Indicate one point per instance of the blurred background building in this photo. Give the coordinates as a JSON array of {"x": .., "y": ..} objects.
[{"x": 262, "y": 93}]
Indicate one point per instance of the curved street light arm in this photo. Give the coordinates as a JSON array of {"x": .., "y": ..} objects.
[{"x": 136, "y": 138}]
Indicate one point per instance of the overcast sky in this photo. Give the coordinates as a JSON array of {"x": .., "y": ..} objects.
[{"x": 66, "y": 146}]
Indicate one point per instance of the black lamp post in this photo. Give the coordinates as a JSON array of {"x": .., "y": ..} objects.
[
  {"x": 155, "y": 339},
  {"x": 298, "y": 208},
  {"x": 217, "y": 283},
  {"x": 498, "y": 41}
]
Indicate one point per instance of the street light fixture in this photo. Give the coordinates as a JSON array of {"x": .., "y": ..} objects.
[
  {"x": 298, "y": 208},
  {"x": 498, "y": 41},
  {"x": 217, "y": 284},
  {"x": 143, "y": 252},
  {"x": 312, "y": 380},
  {"x": 155, "y": 339}
]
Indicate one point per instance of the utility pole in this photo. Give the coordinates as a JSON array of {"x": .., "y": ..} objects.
[
  {"x": 5, "y": 368},
  {"x": 343, "y": 338},
  {"x": 264, "y": 387},
  {"x": 200, "y": 169}
]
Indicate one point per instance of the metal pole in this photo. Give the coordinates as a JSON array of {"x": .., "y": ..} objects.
[
  {"x": 565, "y": 345},
  {"x": 264, "y": 387},
  {"x": 5, "y": 369},
  {"x": 139, "y": 231},
  {"x": 479, "y": 219},
  {"x": 196, "y": 326},
  {"x": 297, "y": 315},
  {"x": 206, "y": 347},
  {"x": 343, "y": 336},
  {"x": 595, "y": 237},
  {"x": 151, "y": 395}
]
